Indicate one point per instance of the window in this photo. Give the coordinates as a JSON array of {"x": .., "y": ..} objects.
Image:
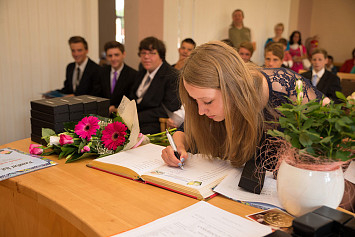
[{"x": 120, "y": 34}]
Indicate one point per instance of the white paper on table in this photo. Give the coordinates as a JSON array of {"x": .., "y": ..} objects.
[
  {"x": 350, "y": 172},
  {"x": 200, "y": 219},
  {"x": 229, "y": 188}
]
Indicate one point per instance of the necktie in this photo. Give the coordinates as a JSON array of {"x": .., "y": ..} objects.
[
  {"x": 77, "y": 81},
  {"x": 114, "y": 80},
  {"x": 314, "y": 80},
  {"x": 146, "y": 82}
]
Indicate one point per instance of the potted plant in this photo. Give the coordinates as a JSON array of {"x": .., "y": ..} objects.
[{"x": 318, "y": 140}]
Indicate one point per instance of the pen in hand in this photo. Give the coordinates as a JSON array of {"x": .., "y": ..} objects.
[{"x": 172, "y": 144}]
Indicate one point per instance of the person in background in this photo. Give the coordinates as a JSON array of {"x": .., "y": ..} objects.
[
  {"x": 330, "y": 66},
  {"x": 83, "y": 75},
  {"x": 238, "y": 33},
  {"x": 325, "y": 81},
  {"x": 273, "y": 56},
  {"x": 117, "y": 78},
  {"x": 279, "y": 29},
  {"x": 297, "y": 51},
  {"x": 311, "y": 44},
  {"x": 287, "y": 61},
  {"x": 186, "y": 47},
  {"x": 245, "y": 51},
  {"x": 227, "y": 103},
  {"x": 155, "y": 87},
  {"x": 228, "y": 42},
  {"x": 348, "y": 64}
]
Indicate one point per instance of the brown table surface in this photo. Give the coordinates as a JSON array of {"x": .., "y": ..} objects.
[{"x": 74, "y": 200}]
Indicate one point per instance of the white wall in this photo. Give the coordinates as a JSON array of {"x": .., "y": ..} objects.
[
  {"x": 34, "y": 54},
  {"x": 206, "y": 20}
]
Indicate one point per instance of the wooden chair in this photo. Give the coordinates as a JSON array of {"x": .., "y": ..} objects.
[
  {"x": 302, "y": 71},
  {"x": 163, "y": 124},
  {"x": 347, "y": 81}
]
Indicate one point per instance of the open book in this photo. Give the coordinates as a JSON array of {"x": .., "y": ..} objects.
[
  {"x": 197, "y": 179},
  {"x": 265, "y": 200},
  {"x": 200, "y": 219}
]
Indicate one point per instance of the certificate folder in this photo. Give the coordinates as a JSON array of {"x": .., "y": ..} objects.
[{"x": 199, "y": 176}]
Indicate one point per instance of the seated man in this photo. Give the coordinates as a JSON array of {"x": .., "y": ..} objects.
[
  {"x": 330, "y": 66},
  {"x": 155, "y": 88},
  {"x": 83, "y": 75},
  {"x": 274, "y": 54},
  {"x": 186, "y": 47},
  {"x": 245, "y": 51},
  {"x": 325, "y": 81},
  {"x": 117, "y": 79}
]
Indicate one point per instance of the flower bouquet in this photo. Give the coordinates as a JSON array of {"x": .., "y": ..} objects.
[
  {"x": 96, "y": 136},
  {"x": 316, "y": 140}
]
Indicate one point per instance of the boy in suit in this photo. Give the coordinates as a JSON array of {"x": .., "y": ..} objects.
[
  {"x": 82, "y": 76},
  {"x": 155, "y": 88},
  {"x": 116, "y": 79},
  {"x": 325, "y": 81},
  {"x": 187, "y": 45}
]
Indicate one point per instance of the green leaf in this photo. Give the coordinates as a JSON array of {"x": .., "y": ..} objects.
[
  {"x": 305, "y": 139},
  {"x": 295, "y": 141},
  {"x": 66, "y": 150},
  {"x": 312, "y": 108},
  {"x": 340, "y": 95},
  {"x": 118, "y": 119},
  {"x": 275, "y": 133},
  {"x": 307, "y": 124},
  {"x": 119, "y": 148},
  {"x": 47, "y": 132},
  {"x": 80, "y": 156},
  {"x": 48, "y": 153},
  {"x": 326, "y": 139},
  {"x": 342, "y": 155}
]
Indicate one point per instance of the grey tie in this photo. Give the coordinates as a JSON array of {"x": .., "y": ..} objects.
[
  {"x": 77, "y": 81},
  {"x": 147, "y": 82},
  {"x": 314, "y": 80}
]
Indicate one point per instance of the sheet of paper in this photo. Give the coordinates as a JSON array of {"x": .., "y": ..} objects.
[
  {"x": 141, "y": 159},
  {"x": 200, "y": 219},
  {"x": 198, "y": 171},
  {"x": 13, "y": 163},
  {"x": 229, "y": 188},
  {"x": 350, "y": 172}
]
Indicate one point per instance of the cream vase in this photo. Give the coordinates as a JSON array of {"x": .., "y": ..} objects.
[{"x": 301, "y": 191}]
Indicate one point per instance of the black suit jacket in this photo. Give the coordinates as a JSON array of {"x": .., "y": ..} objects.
[
  {"x": 328, "y": 84},
  {"x": 88, "y": 82},
  {"x": 123, "y": 85},
  {"x": 162, "y": 91}
]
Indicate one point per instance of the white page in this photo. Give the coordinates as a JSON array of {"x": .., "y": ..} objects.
[
  {"x": 200, "y": 219},
  {"x": 229, "y": 188},
  {"x": 141, "y": 159},
  {"x": 197, "y": 173},
  {"x": 350, "y": 172}
]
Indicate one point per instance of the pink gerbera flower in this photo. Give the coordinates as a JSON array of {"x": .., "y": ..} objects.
[
  {"x": 87, "y": 127},
  {"x": 114, "y": 135}
]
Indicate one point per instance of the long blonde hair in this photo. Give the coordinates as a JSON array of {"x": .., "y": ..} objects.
[{"x": 218, "y": 66}]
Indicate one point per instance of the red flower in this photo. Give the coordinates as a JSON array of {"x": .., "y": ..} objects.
[
  {"x": 65, "y": 139},
  {"x": 114, "y": 135},
  {"x": 36, "y": 149},
  {"x": 87, "y": 127}
]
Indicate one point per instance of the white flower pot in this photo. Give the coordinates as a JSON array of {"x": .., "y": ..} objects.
[{"x": 301, "y": 191}]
